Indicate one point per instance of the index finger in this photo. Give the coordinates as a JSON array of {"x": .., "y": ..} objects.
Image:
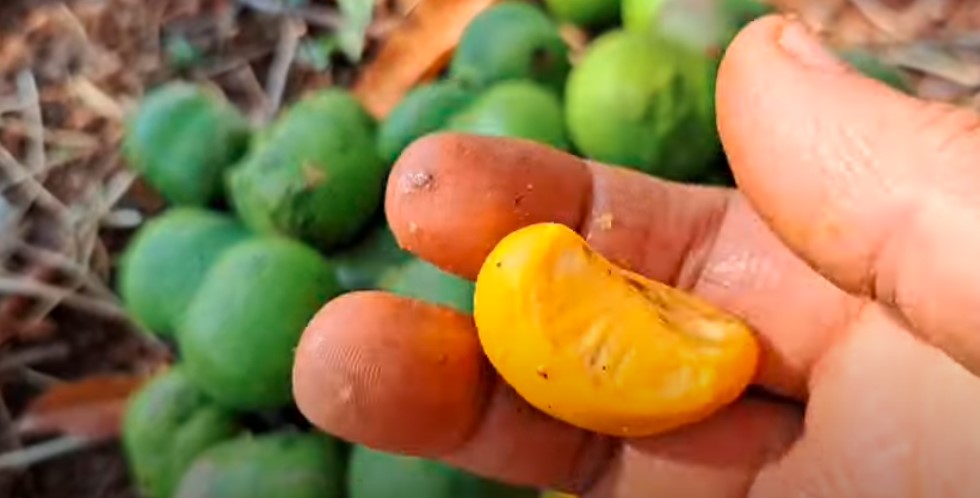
[{"x": 451, "y": 198}]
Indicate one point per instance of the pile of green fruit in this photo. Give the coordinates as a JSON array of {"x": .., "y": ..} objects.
[
  {"x": 232, "y": 273},
  {"x": 641, "y": 94},
  {"x": 267, "y": 224}
]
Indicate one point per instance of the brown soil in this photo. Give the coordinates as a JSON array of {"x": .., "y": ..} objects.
[{"x": 82, "y": 65}]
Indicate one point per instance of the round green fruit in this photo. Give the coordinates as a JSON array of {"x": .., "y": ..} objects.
[
  {"x": 585, "y": 13},
  {"x": 421, "y": 280},
  {"x": 512, "y": 40},
  {"x": 517, "y": 109},
  {"x": 182, "y": 139},
  {"x": 166, "y": 260},
  {"x": 644, "y": 103},
  {"x": 280, "y": 465},
  {"x": 167, "y": 424},
  {"x": 238, "y": 335},
  {"x": 315, "y": 175},
  {"x": 360, "y": 266},
  {"x": 743, "y": 12},
  {"x": 704, "y": 26},
  {"x": 424, "y": 110},
  {"x": 375, "y": 474}
]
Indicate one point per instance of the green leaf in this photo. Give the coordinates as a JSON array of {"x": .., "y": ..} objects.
[{"x": 357, "y": 16}]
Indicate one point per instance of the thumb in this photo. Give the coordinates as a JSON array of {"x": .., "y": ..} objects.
[{"x": 877, "y": 190}]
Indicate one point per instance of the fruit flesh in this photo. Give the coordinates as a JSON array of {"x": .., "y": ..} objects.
[{"x": 600, "y": 347}]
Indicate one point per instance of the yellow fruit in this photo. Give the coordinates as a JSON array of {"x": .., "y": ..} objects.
[{"x": 600, "y": 347}]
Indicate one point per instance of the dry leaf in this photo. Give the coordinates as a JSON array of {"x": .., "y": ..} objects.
[
  {"x": 936, "y": 41},
  {"x": 91, "y": 408},
  {"x": 416, "y": 51}
]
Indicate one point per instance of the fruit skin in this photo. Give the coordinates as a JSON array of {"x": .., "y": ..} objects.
[
  {"x": 375, "y": 474},
  {"x": 182, "y": 139},
  {"x": 166, "y": 425},
  {"x": 603, "y": 348},
  {"x": 633, "y": 98},
  {"x": 585, "y": 13},
  {"x": 742, "y": 12},
  {"x": 639, "y": 15},
  {"x": 702, "y": 26},
  {"x": 238, "y": 335},
  {"x": 165, "y": 262},
  {"x": 512, "y": 40},
  {"x": 281, "y": 465},
  {"x": 424, "y": 110},
  {"x": 517, "y": 109},
  {"x": 314, "y": 175},
  {"x": 361, "y": 266},
  {"x": 419, "y": 279}
]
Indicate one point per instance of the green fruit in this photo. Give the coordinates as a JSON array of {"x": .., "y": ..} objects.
[
  {"x": 424, "y": 110},
  {"x": 512, "y": 40},
  {"x": 742, "y": 12},
  {"x": 360, "y": 266},
  {"x": 280, "y": 465},
  {"x": 644, "y": 103},
  {"x": 375, "y": 474},
  {"x": 517, "y": 109},
  {"x": 640, "y": 15},
  {"x": 167, "y": 424},
  {"x": 701, "y": 26},
  {"x": 314, "y": 175},
  {"x": 166, "y": 261},
  {"x": 238, "y": 335},
  {"x": 420, "y": 280},
  {"x": 586, "y": 13},
  {"x": 872, "y": 67},
  {"x": 182, "y": 139}
]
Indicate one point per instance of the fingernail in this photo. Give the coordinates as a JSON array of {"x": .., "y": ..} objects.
[{"x": 797, "y": 40}]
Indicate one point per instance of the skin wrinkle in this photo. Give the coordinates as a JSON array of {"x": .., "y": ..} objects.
[
  {"x": 597, "y": 469},
  {"x": 896, "y": 449},
  {"x": 701, "y": 247},
  {"x": 593, "y": 453},
  {"x": 899, "y": 272}
]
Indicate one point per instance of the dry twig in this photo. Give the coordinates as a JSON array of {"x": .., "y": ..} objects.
[
  {"x": 32, "y": 455},
  {"x": 290, "y": 33}
]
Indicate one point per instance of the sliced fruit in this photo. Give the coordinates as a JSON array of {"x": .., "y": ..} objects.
[{"x": 603, "y": 348}]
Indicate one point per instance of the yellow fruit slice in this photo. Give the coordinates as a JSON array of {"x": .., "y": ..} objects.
[{"x": 600, "y": 347}]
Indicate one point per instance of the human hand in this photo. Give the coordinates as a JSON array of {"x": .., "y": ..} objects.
[{"x": 849, "y": 248}]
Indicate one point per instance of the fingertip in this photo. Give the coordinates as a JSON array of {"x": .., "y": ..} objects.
[
  {"x": 361, "y": 350},
  {"x": 451, "y": 197}
]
